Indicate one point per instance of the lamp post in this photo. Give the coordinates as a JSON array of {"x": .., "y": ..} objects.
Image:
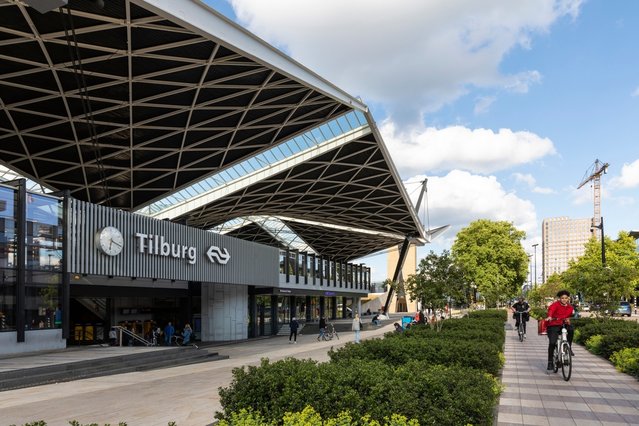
[
  {"x": 530, "y": 272},
  {"x": 535, "y": 247},
  {"x": 603, "y": 245}
]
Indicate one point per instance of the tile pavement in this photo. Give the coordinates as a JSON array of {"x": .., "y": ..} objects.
[
  {"x": 187, "y": 395},
  {"x": 596, "y": 394}
]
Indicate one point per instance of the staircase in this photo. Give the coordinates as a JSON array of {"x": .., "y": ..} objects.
[
  {"x": 97, "y": 306},
  {"x": 140, "y": 361}
]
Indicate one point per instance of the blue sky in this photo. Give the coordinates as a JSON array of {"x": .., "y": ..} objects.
[{"x": 503, "y": 105}]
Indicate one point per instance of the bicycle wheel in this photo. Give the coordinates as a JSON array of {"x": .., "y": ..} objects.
[
  {"x": 566, "y": 361},
  {"x": 555, "y": 360},
  {"x": 520, "y": 330}
]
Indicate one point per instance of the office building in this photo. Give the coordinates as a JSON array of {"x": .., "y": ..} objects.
[{"x": 563, "y": 239}]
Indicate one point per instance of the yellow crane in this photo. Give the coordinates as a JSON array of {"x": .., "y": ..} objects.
[{"x": 593, "y": 174}]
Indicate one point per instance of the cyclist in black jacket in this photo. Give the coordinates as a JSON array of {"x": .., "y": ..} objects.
[{"x": 520, "y": 306}]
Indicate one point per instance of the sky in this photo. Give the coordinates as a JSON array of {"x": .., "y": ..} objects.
[{"x": 502, "y": 105}]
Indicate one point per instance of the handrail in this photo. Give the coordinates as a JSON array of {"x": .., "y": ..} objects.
[{"x": 121, "y": 330}]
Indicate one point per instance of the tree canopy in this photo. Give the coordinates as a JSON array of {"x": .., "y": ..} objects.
[
  {"x": 492, "y": 258},
  {"x": 437, "y": 279},
  {"x": 601, "y": 284}
]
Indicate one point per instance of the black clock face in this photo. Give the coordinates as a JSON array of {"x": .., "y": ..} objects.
[{"x": 110, "y": 241}]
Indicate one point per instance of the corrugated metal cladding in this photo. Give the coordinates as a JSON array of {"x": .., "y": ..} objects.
[{"x": 187, "y": 259}]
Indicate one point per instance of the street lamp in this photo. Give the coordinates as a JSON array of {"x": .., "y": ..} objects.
[
  {"x": 535, "y": 247},
  {"x": 603, "y": 245}
]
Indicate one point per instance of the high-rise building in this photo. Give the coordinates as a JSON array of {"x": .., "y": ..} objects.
[{"x": 563, "y": 239}]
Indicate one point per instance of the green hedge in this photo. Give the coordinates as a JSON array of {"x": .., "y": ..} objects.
[
  {"x": 587, "y": 327},
  {"x": 430, "y": 394},
  {"x": 481, "y": 355},
  {"x": 310, "y": 417},
  {"x": 499, "y": 314},
  {"x": 627, "y": 361},
  {"x": 443, "y": 378}
]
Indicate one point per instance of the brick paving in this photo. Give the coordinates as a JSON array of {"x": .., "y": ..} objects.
[{"x": 596, "y": 394}]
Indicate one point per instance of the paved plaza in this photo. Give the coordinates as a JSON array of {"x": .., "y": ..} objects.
[{"x": 596, "y": 395}]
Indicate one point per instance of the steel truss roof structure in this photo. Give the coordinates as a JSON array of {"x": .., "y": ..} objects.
[{"x": 127, "y": 104}]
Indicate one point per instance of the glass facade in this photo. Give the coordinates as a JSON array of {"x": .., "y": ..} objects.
[
  {"x": 7, "y": 259},
  {"x": 43, "y": 260}
]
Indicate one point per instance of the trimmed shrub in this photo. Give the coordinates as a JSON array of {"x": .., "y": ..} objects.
[
  {"x": 309, "y": 417},
  {"x": 596, "y": 326},
  {"x": 430, "y": 394},
  {"x": 593, "y": 344},
  {"x": 616, "y": 341},
  {"x": 499, "y": 314},
  {"x": 627, "y": 361},
  {"x": 433, "y": 351}
]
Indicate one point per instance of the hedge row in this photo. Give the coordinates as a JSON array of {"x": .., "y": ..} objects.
[
  {"x": 434, "y": 350},
  {"x": 613, "y": 339},
  {"x": 429, "y": 394},
  {"x": 444, "y": 378}
]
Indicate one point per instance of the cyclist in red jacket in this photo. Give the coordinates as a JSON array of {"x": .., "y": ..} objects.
[{"x": 559, "y": 311}]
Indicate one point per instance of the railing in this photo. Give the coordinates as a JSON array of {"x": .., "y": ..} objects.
[{"x": 123, "y": 331}]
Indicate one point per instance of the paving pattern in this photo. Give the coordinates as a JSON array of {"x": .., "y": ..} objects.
[
  {"x": 596, "y": 394},
  {"x": 187, "y": 395}
]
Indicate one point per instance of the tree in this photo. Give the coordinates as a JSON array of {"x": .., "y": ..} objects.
[
  {"x": 437, "y": 281},
  {"x": 605, "y": 285},
  {"x": 492, "y": 257},
  {"x": 542, "y": 294}
]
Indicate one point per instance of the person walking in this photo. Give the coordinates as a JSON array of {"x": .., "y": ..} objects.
[
  {"x": 322, "y": 328},
  {"x": 357, "y": 326},
  {"x": 169, "y": 331},
  {"x": 186, "y": 334},
  {"x": 294, "y": 327}
]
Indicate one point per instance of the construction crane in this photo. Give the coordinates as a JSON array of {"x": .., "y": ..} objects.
[{"x": 593, "y": 174}]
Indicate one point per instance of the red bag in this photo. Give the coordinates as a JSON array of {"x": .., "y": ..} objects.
[{"x": 542, "y": 327}]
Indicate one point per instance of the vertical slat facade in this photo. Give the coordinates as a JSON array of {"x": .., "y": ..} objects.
[{"x": 249, "y": 263}]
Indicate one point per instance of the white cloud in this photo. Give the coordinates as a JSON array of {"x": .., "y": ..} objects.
[
  {"x": 531, "y": 182},
  {"x": 528, "y": 179},
  {"x": 636, "y": 92},
  {"x": 629, "y": 177},
  {"x": 428, "y": 150},
  {"x": 412, "y": 56},
  {"x": 483, "y": 104},
  {"x": 459, "y": 198}
]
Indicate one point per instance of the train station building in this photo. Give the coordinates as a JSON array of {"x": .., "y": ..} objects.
[{"x": 160, "y": 163}]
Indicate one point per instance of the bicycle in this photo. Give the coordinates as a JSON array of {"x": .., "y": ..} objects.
[
  {"x": 520, "y": 329},
  {"x": 562, "y": 357},
  {"x": 330, "y": 332}
]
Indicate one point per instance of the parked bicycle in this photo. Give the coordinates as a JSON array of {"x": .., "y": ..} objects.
[
  {"x": 330, "y": 332},
  {"x": 562, "y": 357}
]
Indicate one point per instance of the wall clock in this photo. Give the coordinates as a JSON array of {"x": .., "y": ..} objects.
[{"x": 109, "y": 241}]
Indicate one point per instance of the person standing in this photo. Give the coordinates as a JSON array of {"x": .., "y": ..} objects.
[
  {"x": 169, "y": 331},
  {"x": 322, "y": 328},
  {"x": 294, "y": 327},
  {"x": 558, "y": 312},
  {"x": 186, "y": 334},
  {"x": 357, "y": 326}
]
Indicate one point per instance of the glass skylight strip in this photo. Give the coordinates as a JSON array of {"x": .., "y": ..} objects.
[
  {"x": 275, "y": 227},
  {"x": 300, "y": 143}
]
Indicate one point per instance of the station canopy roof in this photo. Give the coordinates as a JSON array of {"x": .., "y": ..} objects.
[{"x": 167, "y": 108}]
